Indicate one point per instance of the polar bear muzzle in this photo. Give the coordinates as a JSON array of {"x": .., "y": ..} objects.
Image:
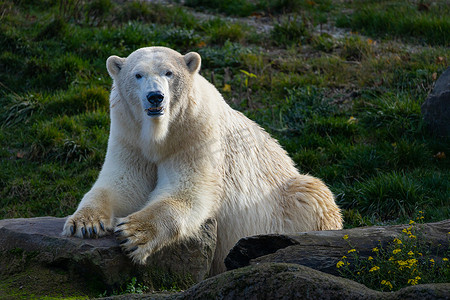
[{"x": 155, "y": 99}]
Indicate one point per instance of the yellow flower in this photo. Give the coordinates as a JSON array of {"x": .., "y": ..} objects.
[
  {"x": 351, "y": 250},
  {"x": 414, "y": 281},
  {"x": 391, "y": 258},
  {"x": 339, "y": 264},
  {"x": 370, "y": 258},
  {"x": 432, "y": 260},
  {"x": 345, "y": 237},
  {"x": 420, "y": 212},
  {"x": 396, "y": 240},
  {"x": 226, "y": 88},
  {"x": 396, "y": 251},
  {"x": 352, "y": 120},
  {"x": 410, "y": 253},
  {"x": 343, "y": 257},
  {"x": 375, "y": 249},
  {"x": 445, "y": 259},
  {"x": 375, "y": 268},
  {"x": 412, "y": 236},
  {"x": 411, "y": 222},
  {"x": 386, "y": 283},
  {"x": 420, "y": 253}
]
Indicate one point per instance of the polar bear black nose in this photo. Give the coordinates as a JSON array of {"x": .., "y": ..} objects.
[{"x": 155, "y": 98}]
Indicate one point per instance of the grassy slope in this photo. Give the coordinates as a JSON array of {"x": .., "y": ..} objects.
[{"x": 346, "y": 108}]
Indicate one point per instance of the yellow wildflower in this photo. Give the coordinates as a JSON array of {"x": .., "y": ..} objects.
[
  {"x": 432, "y": 260},
  {"x": 420, "y": 253},
  {"x": 352, "y": 120},
  {"x": 344, "y": 257},
  {"x": 387, "y": 283},
  {"x": 410, "y": 253},
  {"x": 375, "y": 268},
  {"x": 351, "y": 250},
  {"x": 412, "y": 236},
  {"x": 396, "y": 240},
  {"x": 391, "y": 258},
  {"x": 370, "y": 258},
  {"x": 414, "y": 281},
  {"x": 420, "y": 212},
  {"x": 345, "y": 237},
  {"x": 445, "y": 259},
  {"x": 396, "y": 251},
  {"x": 339, "y": 264},
  {"x": 375, "y": 249},
  {"x": 411, "y": 222},
  {"x": 226, "y": 88}
]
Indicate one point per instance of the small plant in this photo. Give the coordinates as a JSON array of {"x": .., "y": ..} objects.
[
  {"x": 247, "y": 77},
  {"x": 406, "y": 261},
  {"x": 355, "y": 49},
  {"x": 290, "y": 31},
  {"x": 20, "y": 110},
  {"x": 132, "y": 287}
]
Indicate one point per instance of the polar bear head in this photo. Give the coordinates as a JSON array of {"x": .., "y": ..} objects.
[{"x": 153, "y": 81}]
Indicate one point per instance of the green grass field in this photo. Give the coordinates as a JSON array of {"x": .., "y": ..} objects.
[{"x": 344, "y": 103}]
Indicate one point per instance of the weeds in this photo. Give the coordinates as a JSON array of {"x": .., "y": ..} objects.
[{"x": 405, "y": 261}]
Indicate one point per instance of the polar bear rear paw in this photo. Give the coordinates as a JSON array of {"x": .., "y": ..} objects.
[{"x": 88, "y": 223}]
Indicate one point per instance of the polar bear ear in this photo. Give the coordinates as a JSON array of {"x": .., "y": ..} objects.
[
  {"x": 114, "y": 65},
  {"x": 193, "y": 61}
]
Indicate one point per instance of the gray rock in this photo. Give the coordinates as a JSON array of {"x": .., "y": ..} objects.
[
  {"x": 321, "y": 250},
  {"x": 35, "y": 246},
  {"x": 436, "y": 108},
  {"x": 290, "y": 281}
]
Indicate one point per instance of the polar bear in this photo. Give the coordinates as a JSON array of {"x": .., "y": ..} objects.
[{"x": 178, "y": 154}]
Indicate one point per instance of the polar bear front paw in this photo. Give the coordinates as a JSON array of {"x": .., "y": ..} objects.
[
  {"x": 137, "y": 238},
  {"x": 88, "y": 223}
]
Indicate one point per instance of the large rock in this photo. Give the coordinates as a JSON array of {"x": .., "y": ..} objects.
[
  {"x": 36, "y": 259},
  {"x": 321, "y": 250},
  {"x": 291, "y": 281},
  {"x": 436, "y": 108}
]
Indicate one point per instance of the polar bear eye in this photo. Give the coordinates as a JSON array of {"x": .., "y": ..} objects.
[
  {"x": 138, "y": 76},
  {"x": 169, "y": 73}
]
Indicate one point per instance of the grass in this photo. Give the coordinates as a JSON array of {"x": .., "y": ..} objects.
[
  {"x": 426, "y": 22},
  {"x": 345, "y": 106}
]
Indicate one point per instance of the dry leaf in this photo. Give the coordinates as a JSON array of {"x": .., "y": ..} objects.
[{"x": 439, "y": 155}]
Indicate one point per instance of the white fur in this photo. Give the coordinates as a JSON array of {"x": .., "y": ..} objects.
[{"x": 164, "y": 176}]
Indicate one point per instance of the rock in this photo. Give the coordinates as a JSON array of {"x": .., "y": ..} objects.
[
  {"x": 32, "y": 252},
  {"x": 436, "y": 108},
  {"x": 291, "y": 281},
  {"x": 321, "y": 250}
]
